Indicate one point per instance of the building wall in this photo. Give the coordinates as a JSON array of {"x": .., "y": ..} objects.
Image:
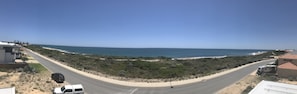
[
  {"x": 9, "y": 58},
  {"x": 282, "y": 61},
  {"x": 2, "y": 56},
  {"x": 286, "y": 73}
]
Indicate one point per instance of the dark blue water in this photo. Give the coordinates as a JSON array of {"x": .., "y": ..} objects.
[{"x": 154, "y": 52}]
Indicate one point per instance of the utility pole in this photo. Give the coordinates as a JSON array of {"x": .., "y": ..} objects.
[
  {"x": 171, "y": 81},
  {"x": 171, "y": 85}
]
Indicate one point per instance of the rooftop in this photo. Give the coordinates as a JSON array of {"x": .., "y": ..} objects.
[
  {"x": 7, "y": 90},
  {"x": 288, "y": 65},
  {"x": 269, "y": 87},
  {"x": 74, "y": 86},
  {"x": 7, "y": 44},
  {"x": 289, "y": 56}
]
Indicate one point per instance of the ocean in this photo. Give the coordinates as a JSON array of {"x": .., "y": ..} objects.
[{"x": 155, "y": 52}]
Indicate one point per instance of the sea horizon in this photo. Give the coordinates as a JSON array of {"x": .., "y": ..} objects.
[
  {"x": 154, "y": 47},
  {"x": 155, "y": 52}
]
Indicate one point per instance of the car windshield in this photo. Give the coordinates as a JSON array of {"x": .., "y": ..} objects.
[{"x": 62, "y": 88}]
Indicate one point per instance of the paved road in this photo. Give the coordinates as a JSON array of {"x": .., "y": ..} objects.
[{"x": 93, "y": 86}]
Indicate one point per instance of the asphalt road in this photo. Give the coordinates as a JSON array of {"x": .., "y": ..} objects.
[{"x": 93, "y": 86}]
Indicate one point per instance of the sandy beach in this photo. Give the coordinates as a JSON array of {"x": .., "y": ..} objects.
[
  {"x": 191, "y": 58},
  {"x": 142, "y": 84}
]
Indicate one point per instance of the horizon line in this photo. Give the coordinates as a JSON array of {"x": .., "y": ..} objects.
[{"x": 151, "y": 47}]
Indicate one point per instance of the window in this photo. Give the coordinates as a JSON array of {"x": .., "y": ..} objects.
[
  {"x": 8, "y": 49},
  {"x": 68, "y": 90},
  {"x": 78, "y": 89},
  {"x": 62, "y": 88}
]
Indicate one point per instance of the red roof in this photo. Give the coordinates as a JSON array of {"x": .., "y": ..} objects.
[
  {"x": 288, "y": 65},
  {"x": 289, "y": 56}
]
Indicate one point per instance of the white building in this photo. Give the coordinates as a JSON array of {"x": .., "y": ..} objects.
[{"x": 9, "y": 52}]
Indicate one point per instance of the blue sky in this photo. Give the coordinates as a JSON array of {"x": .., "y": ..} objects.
[{"x": 240, "y": 24}]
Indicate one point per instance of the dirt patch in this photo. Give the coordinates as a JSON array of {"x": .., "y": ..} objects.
[
  {"x": 239, "y": 87},
  {"x": 249, "y": 82},
  {"x": 287, "y": 81},
  {"x": 32, "y": 61},
  {"x": 3, "y": 73},
  {"x": 29, "y": 83}
]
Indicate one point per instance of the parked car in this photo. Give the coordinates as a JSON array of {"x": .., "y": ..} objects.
[
  {"x": 58, "y": 77},
  {"x": 69, "y": 89},
  {"x": 267, "y": 69}
]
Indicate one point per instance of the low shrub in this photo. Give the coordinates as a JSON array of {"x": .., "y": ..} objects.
[{"x": 165, "y": 68}]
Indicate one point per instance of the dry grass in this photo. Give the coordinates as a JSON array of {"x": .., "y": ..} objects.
[
  {"x": 249, "y": 82},
  {"x": 239, "y": 87},
  {"x": 28, "y": 83}
]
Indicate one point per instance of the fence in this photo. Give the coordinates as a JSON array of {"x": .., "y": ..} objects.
[{"x": 12, "y": 66}]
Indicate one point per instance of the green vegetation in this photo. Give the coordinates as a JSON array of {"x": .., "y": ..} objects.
[
  {"x": 135, "y": 67},
  {"x": 35, "y": 68},
  {"x": 5, "y": 70},
  {"x": 24, "y": 58},
  {"x": 247, "y": 90}
]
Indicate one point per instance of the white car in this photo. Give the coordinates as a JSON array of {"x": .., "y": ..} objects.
[
  {"x": 69, "y": 89},
  {"x": 267, "y": 69}
]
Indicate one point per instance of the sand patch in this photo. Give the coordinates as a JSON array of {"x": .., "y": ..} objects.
[
  {"x": 30, "y": 58},
  {"x": 18, "y": 61},
  {"x": 250, "y": 81},
  {"x": 13, "y": 77},
  {"x": 239, "y": 87},
  {"x": 32, "y": 61},
  {"x": 3, "y": 73},
  {"x": 29, "y": 83},
  {"x": 287, "y": 81}
]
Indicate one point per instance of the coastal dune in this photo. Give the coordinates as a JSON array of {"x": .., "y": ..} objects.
[{"x": 143, "y": 84}]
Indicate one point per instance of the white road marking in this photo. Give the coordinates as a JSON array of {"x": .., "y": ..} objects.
[
  {"x": 133, "y": 91},
  {"x": 130, "y": 91}
]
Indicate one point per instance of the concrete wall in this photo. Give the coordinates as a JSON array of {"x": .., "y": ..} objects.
[
  {"x": 8, "y": 54},
  {"x": 2, "y": 56},
  {"x": 9, "y": 58},
  {"x": 286, "y": 73},
  {"x": 12, "y": 66}
]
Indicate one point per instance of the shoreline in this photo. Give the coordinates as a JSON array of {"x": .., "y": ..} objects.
[
  {"x": 173, "y": 58},
  {"x": 191, "y": 58},
  {"x": 60, "y": 50},
  {"x": 145, "y": 84}
]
